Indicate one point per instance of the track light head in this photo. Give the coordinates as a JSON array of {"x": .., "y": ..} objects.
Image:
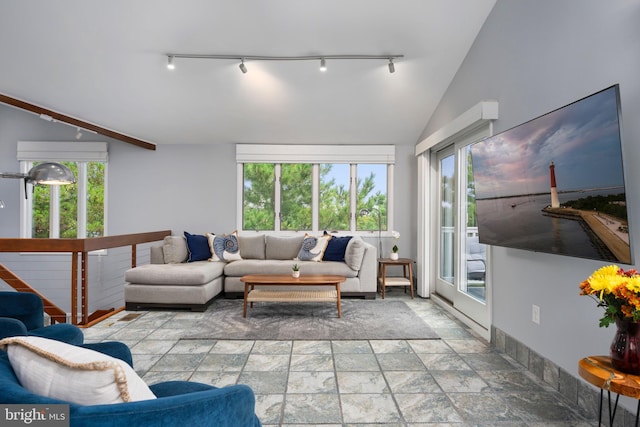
[
  {"x": 392, "y": 67},
  {"x": 79, "y": 134},
  {"x": 170, "y": 64},
  {"x": 243, "y": 67},
  {"x": 323, "y": 65}
]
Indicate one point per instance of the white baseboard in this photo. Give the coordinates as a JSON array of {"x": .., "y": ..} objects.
[{"x": 475, "y": 327}]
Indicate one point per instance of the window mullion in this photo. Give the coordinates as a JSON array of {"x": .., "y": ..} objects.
[
  {"x": 353, "y": 195},
  {"x": 277, "y": 196},
  {"x": 82, "y": 200},
  {"x": 54, "y": 212},
  {"x": 315, "y": 197}
]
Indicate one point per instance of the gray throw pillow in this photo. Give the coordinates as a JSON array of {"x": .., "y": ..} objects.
[
  {"x": 175, "y": 249},
  {"x": 283, "y": 247},
  {"x": 354, "y": 253},
  {"x": 252, "y": 246}
]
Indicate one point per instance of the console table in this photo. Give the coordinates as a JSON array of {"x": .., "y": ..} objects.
[
  {"x": 252, "y": 295},
  {"x": 597, "y": 370}
]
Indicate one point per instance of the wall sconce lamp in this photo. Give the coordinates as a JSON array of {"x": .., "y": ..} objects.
[
  {"x": 48, "y": 173},
  {"x": 367, "y": 212}
]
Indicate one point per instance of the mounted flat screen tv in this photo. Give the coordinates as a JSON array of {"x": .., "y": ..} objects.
[{"x": 555, "y": 184}]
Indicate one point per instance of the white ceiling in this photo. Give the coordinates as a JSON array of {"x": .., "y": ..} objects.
[{"x": 104, "y": 62}]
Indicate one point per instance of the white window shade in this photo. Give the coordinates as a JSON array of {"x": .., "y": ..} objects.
[
  {"x": 269, "y": 153},
  {"x": 63, "y": 151}
]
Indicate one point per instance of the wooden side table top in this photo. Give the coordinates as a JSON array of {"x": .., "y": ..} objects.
[
  {"x": 597, "y": 370},
  {"x": 399, "y": 261}
]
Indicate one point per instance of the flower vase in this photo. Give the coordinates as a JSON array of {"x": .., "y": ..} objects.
[
  {"x": 625, "y": 348},
  {"x": 295, "y": 273},
  {"x": 394, "y": 256}
]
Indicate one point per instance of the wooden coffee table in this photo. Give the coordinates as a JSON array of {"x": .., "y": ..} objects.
[{"x": 252, "y": 295}]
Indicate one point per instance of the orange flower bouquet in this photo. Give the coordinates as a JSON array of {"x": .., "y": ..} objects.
[{"x": 617, "y": 291}]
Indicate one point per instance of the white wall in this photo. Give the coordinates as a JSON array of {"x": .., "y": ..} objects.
[{"x": 534, "y": 57}]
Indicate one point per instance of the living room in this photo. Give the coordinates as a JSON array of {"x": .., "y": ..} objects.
[{"x": 532, "y": 57}]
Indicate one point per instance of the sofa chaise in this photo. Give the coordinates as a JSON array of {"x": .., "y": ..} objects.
[{"x": 173, "y": 279}]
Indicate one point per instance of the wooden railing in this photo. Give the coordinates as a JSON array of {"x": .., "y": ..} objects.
[{"x": 79, "y": 249}]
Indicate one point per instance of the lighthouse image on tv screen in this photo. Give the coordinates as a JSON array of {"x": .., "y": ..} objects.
[{"x": 555, "y": 184}]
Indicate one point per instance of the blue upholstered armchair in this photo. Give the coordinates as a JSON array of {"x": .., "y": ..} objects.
[
  {"x": 22, "y": 313},
  {"x": 178, "y": 403}
]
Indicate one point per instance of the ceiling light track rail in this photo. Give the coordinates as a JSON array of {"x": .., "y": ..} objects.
[
  {"x": 51, "y": 115},
  {"x": 282, "y": 58},
  {"x": 322, "y": 58}
]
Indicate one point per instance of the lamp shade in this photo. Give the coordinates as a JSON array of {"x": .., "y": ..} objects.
[{"x": 50, "y": 173}]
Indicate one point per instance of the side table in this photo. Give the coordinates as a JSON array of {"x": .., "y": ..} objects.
[
  {"x": 405, "y": 280},
  {"x": 597, "y": 370}
]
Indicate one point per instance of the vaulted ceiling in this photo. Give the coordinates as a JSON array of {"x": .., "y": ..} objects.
[{"x": 104, "y": 62}]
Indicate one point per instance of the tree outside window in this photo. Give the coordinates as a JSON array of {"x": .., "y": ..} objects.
[
  {"x": 64, "y": 200},
  {"x": 295, "y": 196},
  {"x": 258, "y": 204},
  {"x": 295, "y": 209}
]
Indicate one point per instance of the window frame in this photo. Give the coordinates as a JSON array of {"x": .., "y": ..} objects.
[
  {"x": 316, "y": 155},
  {"x": 80, "y": 153}
]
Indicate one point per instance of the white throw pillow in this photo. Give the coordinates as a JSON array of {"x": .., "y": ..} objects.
[
  {"x": 74, "y": 374},
  {"x": 313, "y": 248},
  {"x": 224, "y": 248}
]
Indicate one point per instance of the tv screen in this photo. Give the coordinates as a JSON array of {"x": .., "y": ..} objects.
[{"x": 555, "y": 184}]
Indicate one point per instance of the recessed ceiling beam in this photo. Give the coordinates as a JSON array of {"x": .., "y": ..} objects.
[{"x": 75, "y": 122}]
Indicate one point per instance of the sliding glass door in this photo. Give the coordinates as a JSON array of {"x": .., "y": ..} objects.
[{"x": 461, "y": 266}]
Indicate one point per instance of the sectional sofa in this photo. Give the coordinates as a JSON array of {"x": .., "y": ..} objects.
[{"x": 177, "y": 278}]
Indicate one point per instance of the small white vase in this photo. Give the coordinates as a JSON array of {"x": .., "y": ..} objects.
[
  {"x": 394, "y": 256},
  {"x": 295, "y": 274}
]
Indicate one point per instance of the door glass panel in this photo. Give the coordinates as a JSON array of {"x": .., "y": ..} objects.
[
  {"x": 474, "y": 281},
  {"x": 447, "y": 229}
]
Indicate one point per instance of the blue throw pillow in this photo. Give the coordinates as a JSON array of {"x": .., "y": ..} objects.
[
  {"x": 336, "y": 249},
  {"x": 198, "y": 246}
]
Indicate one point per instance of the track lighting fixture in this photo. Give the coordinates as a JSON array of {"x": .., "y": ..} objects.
[
  {"x": 323, "y": 59},
  {"x": 1, "y": 204},
  {"x": 170, "y": 64},
  {"x": 79, "y": 130}
]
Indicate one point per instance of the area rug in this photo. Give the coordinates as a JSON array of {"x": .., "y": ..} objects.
[{"x": 361, "y": 320}]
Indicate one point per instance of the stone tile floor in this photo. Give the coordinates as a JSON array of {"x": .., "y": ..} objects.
[{"x": 458, "y": 380}]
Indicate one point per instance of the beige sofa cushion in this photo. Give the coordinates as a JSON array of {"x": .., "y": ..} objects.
[
  {"x": 354, "y": 253},
  {"x": 252, "y": 246},
  {"x": 192, "y": 273},
  {"x": 253, "y": 266},
  {"x": 283, "y": 248},
  {"x": 175, "y": 249}
]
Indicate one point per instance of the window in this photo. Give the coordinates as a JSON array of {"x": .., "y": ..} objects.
[
  {"x": 312, "y": 188},
  {"x": 295, "y": 196},
  {"x": 67, "y": 211},
  {"x": 334, "y": 197},
  {"x": 258, "y": 196}
]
